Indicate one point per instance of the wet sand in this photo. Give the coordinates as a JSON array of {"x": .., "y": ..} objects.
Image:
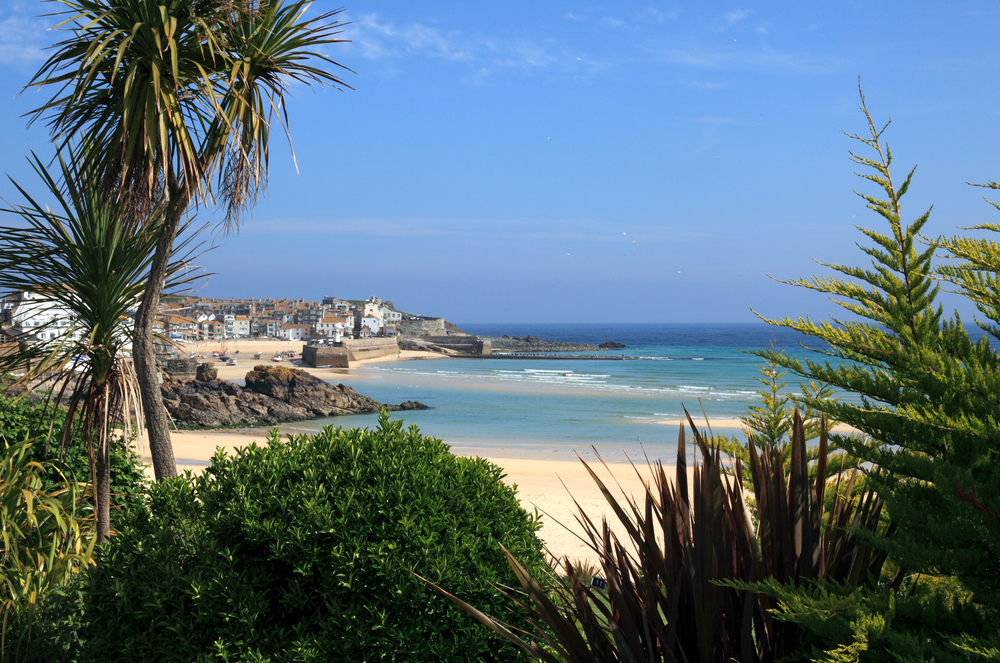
[{"x": 547, "y": 485}]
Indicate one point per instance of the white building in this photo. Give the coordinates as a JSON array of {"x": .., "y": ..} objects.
[
  {"x": 39, "y": 318},
  {"x": 332, "y": 326},
  {"x": 371, "y": 323},
  {"x": 296, "y": 332},
  {"x": 390, "y": 317},
  {"x": 272, "y": 328},
  {"x": 241, "y": 326}
]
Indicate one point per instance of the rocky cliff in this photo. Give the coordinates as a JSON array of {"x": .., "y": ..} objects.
[{"x": 272, "y": 395}]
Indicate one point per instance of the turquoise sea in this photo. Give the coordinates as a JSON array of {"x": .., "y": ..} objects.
[{"x": 555, "y": 408}]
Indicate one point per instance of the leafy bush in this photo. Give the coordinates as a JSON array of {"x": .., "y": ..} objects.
[
  {"x": 303, "y": 550},
  {"x": 47, "y": 535},
  {"x": 22, "y": 420}
]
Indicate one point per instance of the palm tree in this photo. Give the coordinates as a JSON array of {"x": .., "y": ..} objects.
[
  {"x": 86, "y": 260},
  {"x": 180, "y": 97}
]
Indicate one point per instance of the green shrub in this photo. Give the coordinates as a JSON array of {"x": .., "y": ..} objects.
[
  {"x": 22, "y": 420},
  {"x": 302, "y": 550},
  {"x": 46, "y": 532}
]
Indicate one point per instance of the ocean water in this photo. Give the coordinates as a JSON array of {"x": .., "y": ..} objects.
[{"x": 558, "y": 408}]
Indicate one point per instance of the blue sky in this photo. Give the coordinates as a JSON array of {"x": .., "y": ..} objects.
[{"x": 586, "y": 162}]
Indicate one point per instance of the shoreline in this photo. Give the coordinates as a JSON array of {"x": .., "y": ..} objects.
[
  {"x": 736, "y": 424},
  {"x": 247, "y": 347},
  {"x": 550, "y": 486}
]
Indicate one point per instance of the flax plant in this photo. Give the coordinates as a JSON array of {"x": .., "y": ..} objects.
[
  {"x": 84, "y": 257},
  {"x": 179, "y": 98},
  {"x": 47, "y": 535},
  {"x": 677, "y": 582}
]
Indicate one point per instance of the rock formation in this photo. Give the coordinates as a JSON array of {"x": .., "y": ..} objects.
[
  {"x": 272, "y": 395},
  {"x": 507, "y": 343},
  {"x": 611, "y": 345}
]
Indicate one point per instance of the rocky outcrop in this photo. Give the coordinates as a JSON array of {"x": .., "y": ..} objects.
[
  {"x": 272, "y": 395},
  {"x": 207, "y": 372},
  {"x": 421, "y": 327},
  {"x": 507, "y": 343}
]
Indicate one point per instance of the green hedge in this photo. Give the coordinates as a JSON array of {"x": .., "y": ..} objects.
[
  {"x": 303, "y": 551},
  {"x": 20, "y": 420}
]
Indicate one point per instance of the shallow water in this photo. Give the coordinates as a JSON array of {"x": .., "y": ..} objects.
[{"x": 555, "y": 408}]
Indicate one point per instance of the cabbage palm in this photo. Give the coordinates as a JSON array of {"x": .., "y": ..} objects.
[
  {"x": 180, "y": 97},
  {"x": 85, "y": 260}
]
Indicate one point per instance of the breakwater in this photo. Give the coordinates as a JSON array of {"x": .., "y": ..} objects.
[{"x": 515, "y": 355}]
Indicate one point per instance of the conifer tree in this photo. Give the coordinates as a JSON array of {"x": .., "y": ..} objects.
[{"x": 928, "y": 396}]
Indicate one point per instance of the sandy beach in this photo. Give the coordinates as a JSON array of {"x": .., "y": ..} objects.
[
  {"x": 244, "y": 349},
  {"x": 547, "y": 485},
  {"x": 736, "y": 424}
]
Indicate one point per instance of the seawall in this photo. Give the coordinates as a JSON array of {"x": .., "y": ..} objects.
[{"x": 341, "y": 356}]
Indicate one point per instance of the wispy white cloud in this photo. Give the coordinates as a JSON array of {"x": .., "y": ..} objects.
[
  {"x": 22, "y": 34},
  {"x": 521, "y": 230},
  {"x": 640, "y": 20},
  {"x": 378, "y": 39},
  {"x": 763, "y": 59},
  {"x": 528, "y": 54},
  {"x": 708, "y": 85},
  {"x": 736, "y": 16},
  {"x": 483, "y": 56},
  {"x": 710, "y": 140},
  {"x": 383, "y": 40},
  {"x": 653, "y": 15},
  {"x": 717, "y": 120}
]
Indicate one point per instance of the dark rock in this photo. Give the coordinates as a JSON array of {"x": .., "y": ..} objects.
[
  {"x": 272, "y": 395},
  {"x": 410, "y": 405},
  {"x": 507, "y": 343},
  {"x": 611, "y": 345},
  {"x": 207, "y": 372}
]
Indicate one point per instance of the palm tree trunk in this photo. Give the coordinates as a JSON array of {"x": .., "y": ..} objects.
[
  {"x": 144, "y": 358},
  {"x": 102, "y": 488}
]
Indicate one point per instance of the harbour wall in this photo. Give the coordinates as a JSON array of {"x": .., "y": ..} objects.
[
  {"x": 468, "y": 344},
  {"x": 340, "y": 356}
]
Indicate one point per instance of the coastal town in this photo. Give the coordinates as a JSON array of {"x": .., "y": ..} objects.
[
  {"x": 195, "y": 319},
  {"x": 345, "y": 329}
]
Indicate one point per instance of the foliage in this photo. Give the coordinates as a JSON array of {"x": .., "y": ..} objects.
[
  {"x": 302, "y": 551},
  {"x": 21, "y": 419},
  {"x": 928, "y": 392},
  {"x": 90, "y": 260},
  {"x": 675, "y": 586},
  {"x": 47, "y": 536},
  {"x": 770, "y": 422},
  {"x": 173, "y": 95},
  {"x": 858, "y": 624}
]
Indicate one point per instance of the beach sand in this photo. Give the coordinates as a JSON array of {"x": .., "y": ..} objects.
[
  {"x": 550, "y": 486},
  {"x": 547, "y": 485},
  {"x": 736, "y": 424},
  {"x": 247, "y": 347}
]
